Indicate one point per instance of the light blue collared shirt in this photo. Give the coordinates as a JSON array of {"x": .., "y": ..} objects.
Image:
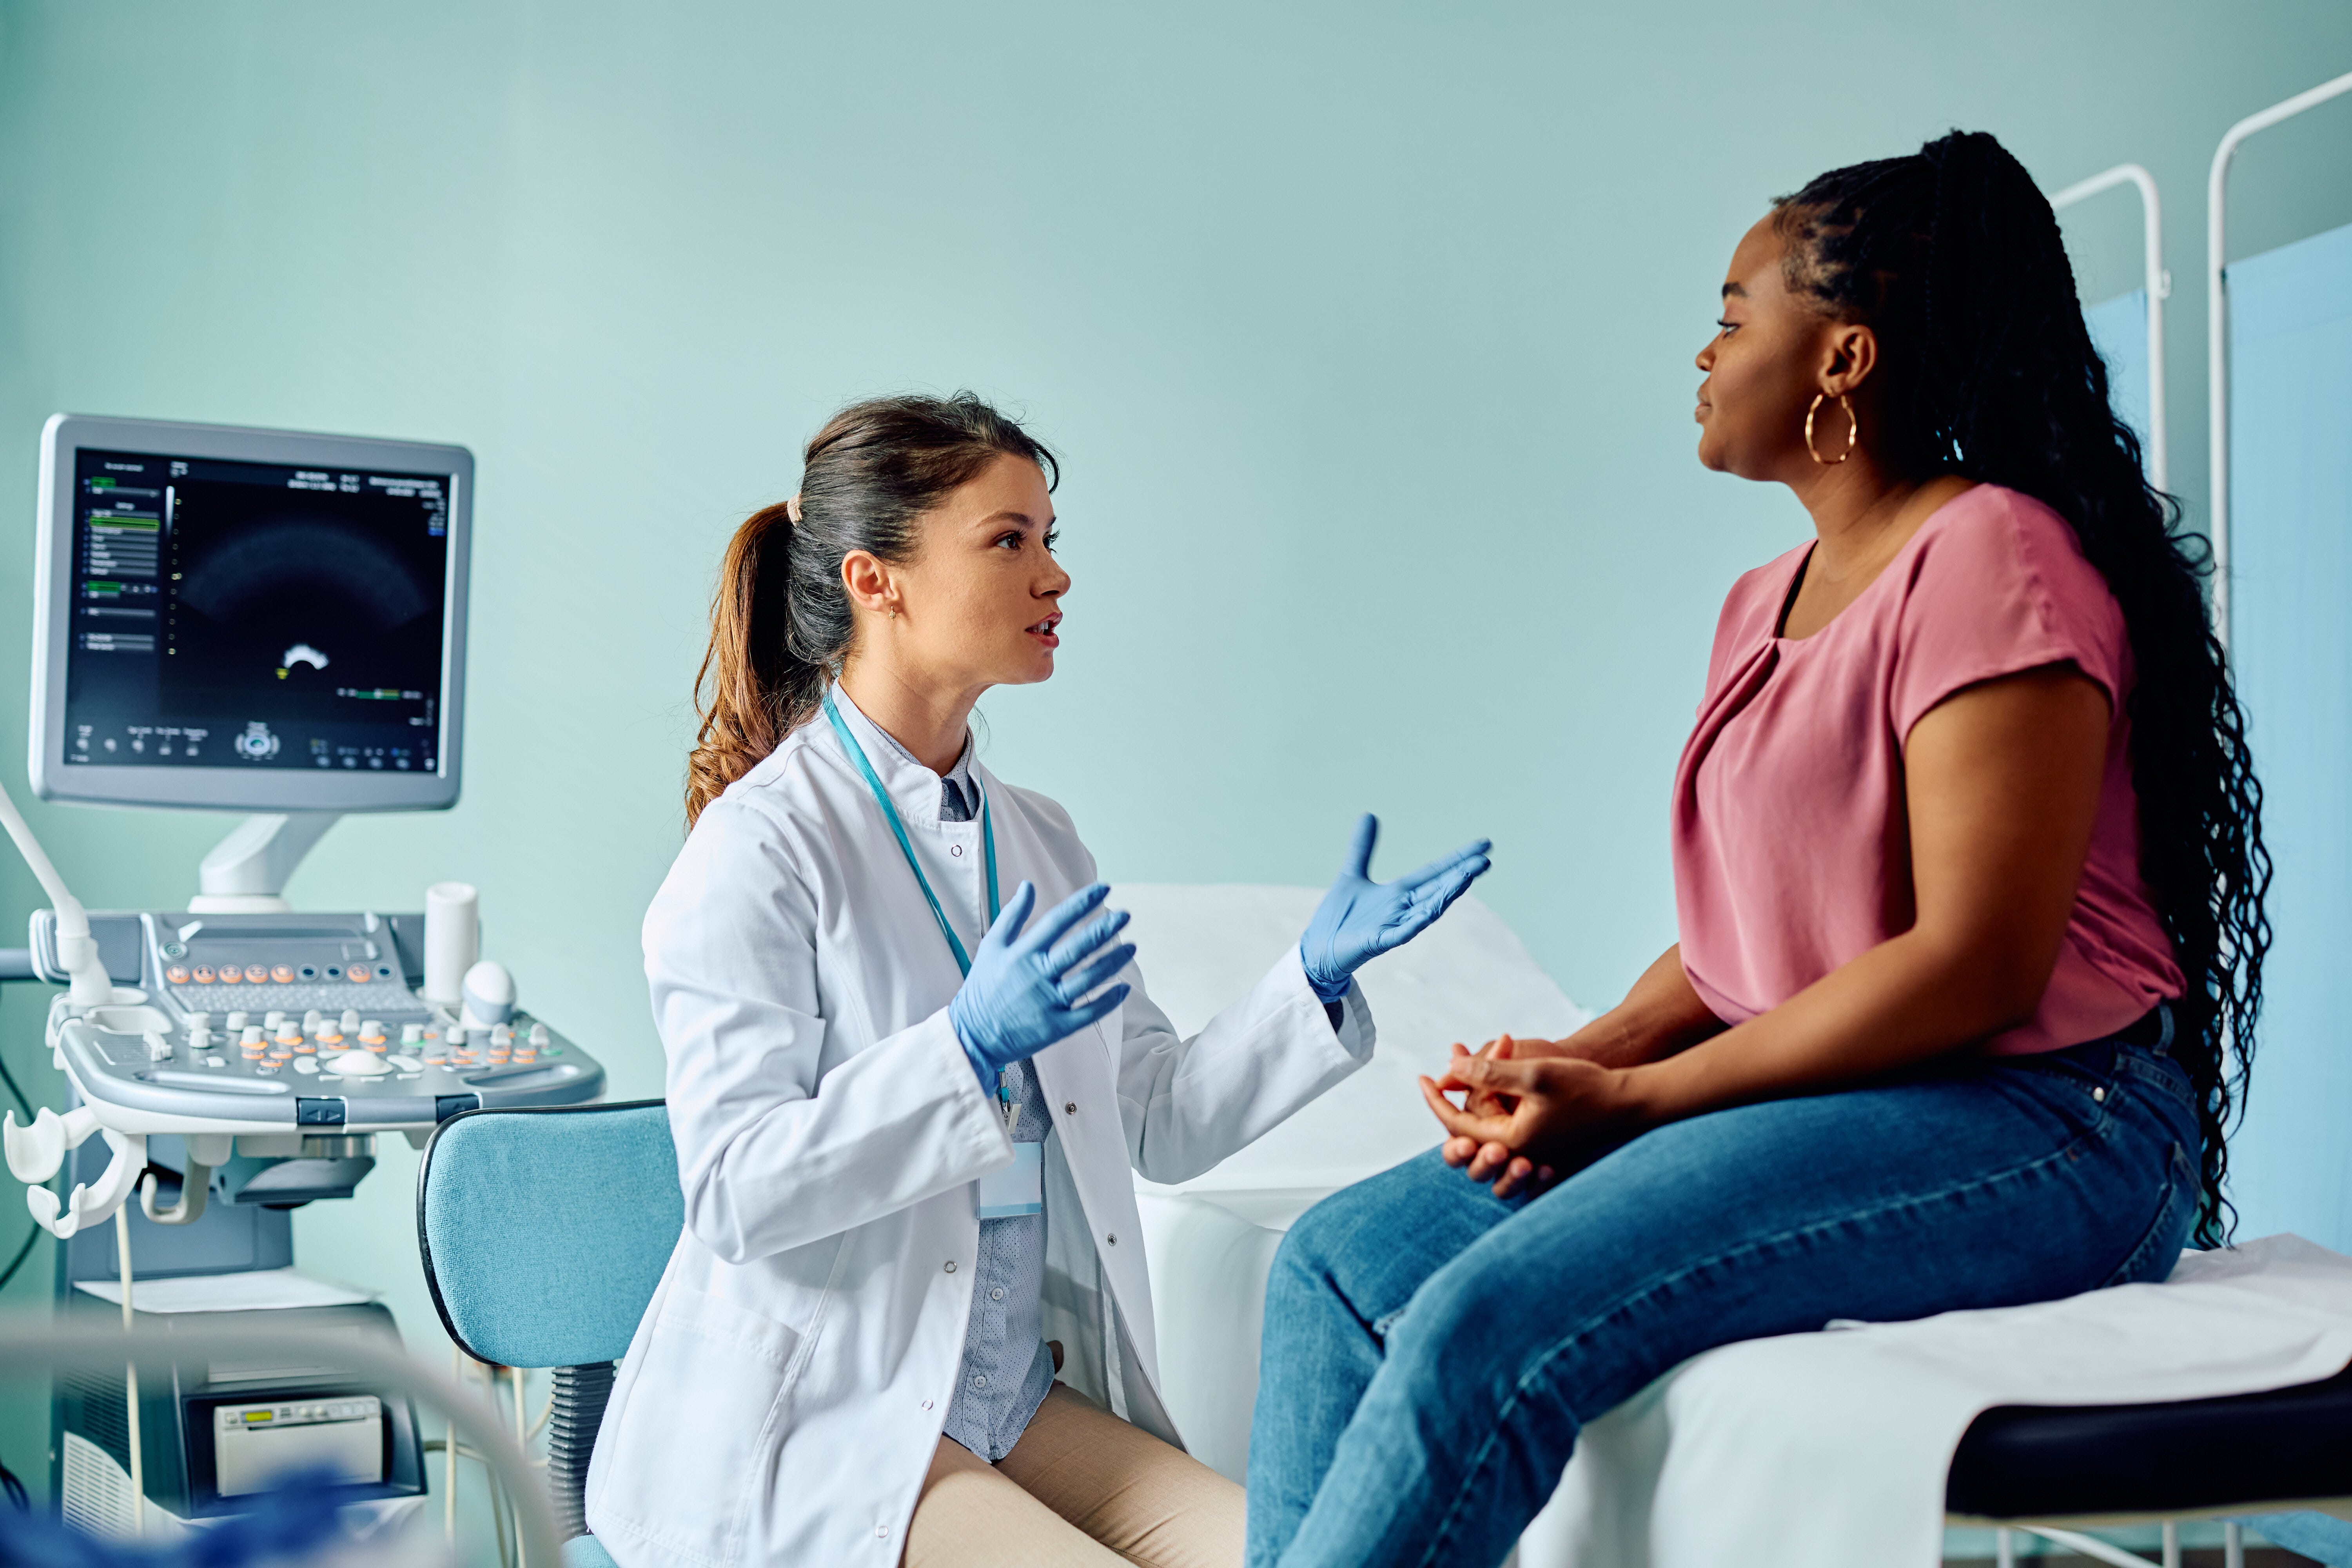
[{"x": 1006, "y": 1369}]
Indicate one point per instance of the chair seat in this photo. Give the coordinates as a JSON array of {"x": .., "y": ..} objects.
[
  {"x": 586, "y": 1551},
  {"x": 2042, "y": 1462}
]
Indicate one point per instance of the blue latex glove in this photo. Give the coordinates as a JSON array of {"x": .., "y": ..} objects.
[
  {"x": 1358, "y": 918},
  {"x": 1023, "y": 990}
]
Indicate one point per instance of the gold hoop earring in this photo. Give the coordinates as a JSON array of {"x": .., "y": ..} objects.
[{"x": 1852, "y": 431}]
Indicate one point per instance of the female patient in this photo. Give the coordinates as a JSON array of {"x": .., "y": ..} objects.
[
  {"x": 1969, "y": 884},
  {"x": 906, "y": 1112}
]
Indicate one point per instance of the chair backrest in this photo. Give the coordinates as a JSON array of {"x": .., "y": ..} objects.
[{"x": 545, "y": 1230}]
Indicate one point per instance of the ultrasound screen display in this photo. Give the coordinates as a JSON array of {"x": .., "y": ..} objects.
[{"x": 250, "y": 614}]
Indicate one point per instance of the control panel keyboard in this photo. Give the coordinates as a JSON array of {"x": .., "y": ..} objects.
[
  {"x": 374, "y": 997},
  {"x": 313, "y": 1021}
]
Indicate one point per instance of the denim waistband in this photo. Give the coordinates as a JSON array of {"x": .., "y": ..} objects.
[
  {"x": 2151, "y": 1031},
  {"x": 2107, "y": 1058}
]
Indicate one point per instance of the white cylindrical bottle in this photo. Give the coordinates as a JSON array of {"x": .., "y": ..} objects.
[{"x": 452, "y": 939}]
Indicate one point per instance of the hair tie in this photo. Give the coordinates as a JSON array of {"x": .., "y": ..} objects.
[{"x": 792, "y": 511}]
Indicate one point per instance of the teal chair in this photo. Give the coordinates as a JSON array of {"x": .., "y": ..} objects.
[{"x": 544, "y": 1232}]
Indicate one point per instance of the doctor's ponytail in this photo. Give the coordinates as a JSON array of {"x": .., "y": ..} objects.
[{"x": 779, "y": 619}]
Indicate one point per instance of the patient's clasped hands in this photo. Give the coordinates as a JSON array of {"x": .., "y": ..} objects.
[{"x": 1530, "y": 1108}]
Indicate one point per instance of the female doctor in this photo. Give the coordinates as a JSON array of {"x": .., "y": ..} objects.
[{"x": 907, "y": 1105}]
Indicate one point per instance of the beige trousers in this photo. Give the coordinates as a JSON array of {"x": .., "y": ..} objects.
[{"x": 1082, "y": 1489}]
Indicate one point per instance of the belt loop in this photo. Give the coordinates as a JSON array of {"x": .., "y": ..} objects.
[{"x": 2164, "y": 1028}]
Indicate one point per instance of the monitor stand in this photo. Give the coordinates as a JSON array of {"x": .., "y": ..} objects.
[{"x": 247, "y": 872}]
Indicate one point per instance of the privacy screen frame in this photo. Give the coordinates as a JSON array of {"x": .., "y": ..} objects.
[{"x": 230, "y": 788}]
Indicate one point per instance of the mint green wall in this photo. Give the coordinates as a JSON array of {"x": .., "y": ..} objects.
[{"x": 1365, "y": 330}]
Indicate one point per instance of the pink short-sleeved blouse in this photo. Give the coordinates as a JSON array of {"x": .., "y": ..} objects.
[{"x": 1790, "y": 846}]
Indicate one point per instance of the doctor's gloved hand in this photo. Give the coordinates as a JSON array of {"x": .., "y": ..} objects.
[
  {"x": 1024, "y": 990},
  {"x": 1360, "y": 919}
]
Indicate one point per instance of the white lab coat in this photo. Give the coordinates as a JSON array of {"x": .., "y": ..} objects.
[{"x": 783, "y": 1395}]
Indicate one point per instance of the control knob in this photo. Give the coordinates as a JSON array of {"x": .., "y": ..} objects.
[
  {"x": 489, "y": 993},
  {"x": 354, "y": 1064}
]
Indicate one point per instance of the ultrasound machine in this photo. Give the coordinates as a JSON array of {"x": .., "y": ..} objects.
[{"x": 271, "y": 622}]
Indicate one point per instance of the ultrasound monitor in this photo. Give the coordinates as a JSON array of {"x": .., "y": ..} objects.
[{"x": 257, "y": 620}]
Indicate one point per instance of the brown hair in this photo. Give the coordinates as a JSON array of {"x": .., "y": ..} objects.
[{"x": 780, "y": 620}]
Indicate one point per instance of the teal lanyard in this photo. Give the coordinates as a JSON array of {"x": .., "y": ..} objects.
[{"x": 882, "y": 798}]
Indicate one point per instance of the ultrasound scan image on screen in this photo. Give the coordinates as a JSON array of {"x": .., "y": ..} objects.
[{"x": 245, "y": 614}]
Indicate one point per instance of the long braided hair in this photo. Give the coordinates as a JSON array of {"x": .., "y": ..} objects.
[{"x": 1952, "y": 256}]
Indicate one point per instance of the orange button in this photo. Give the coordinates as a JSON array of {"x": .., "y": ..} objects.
[
  {"x": 256, "y": 973},
  {"x": 283, "y": 974},
  {"x": 176, "y": 975},
  {"x": 203, "y": 974}
]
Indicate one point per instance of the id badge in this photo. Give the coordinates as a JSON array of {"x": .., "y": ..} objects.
[{"x": 1019, "y": 1188}]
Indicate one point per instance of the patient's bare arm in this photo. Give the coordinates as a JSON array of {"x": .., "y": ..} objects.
[
  {"x": 1660, "y": 1015},
  {"x": 2001, "y": 785}
]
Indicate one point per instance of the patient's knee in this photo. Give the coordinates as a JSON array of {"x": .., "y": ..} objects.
[
  {"x": 1374, "y": 1242},
  {"x": 1321, "y": 1241},
  {"x": 1305, "y": 1252},
  {"x": 1460, "y": 1311}
]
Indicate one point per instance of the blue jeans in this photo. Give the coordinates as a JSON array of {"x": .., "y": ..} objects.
[{"x": 1432, "y": 1352}]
